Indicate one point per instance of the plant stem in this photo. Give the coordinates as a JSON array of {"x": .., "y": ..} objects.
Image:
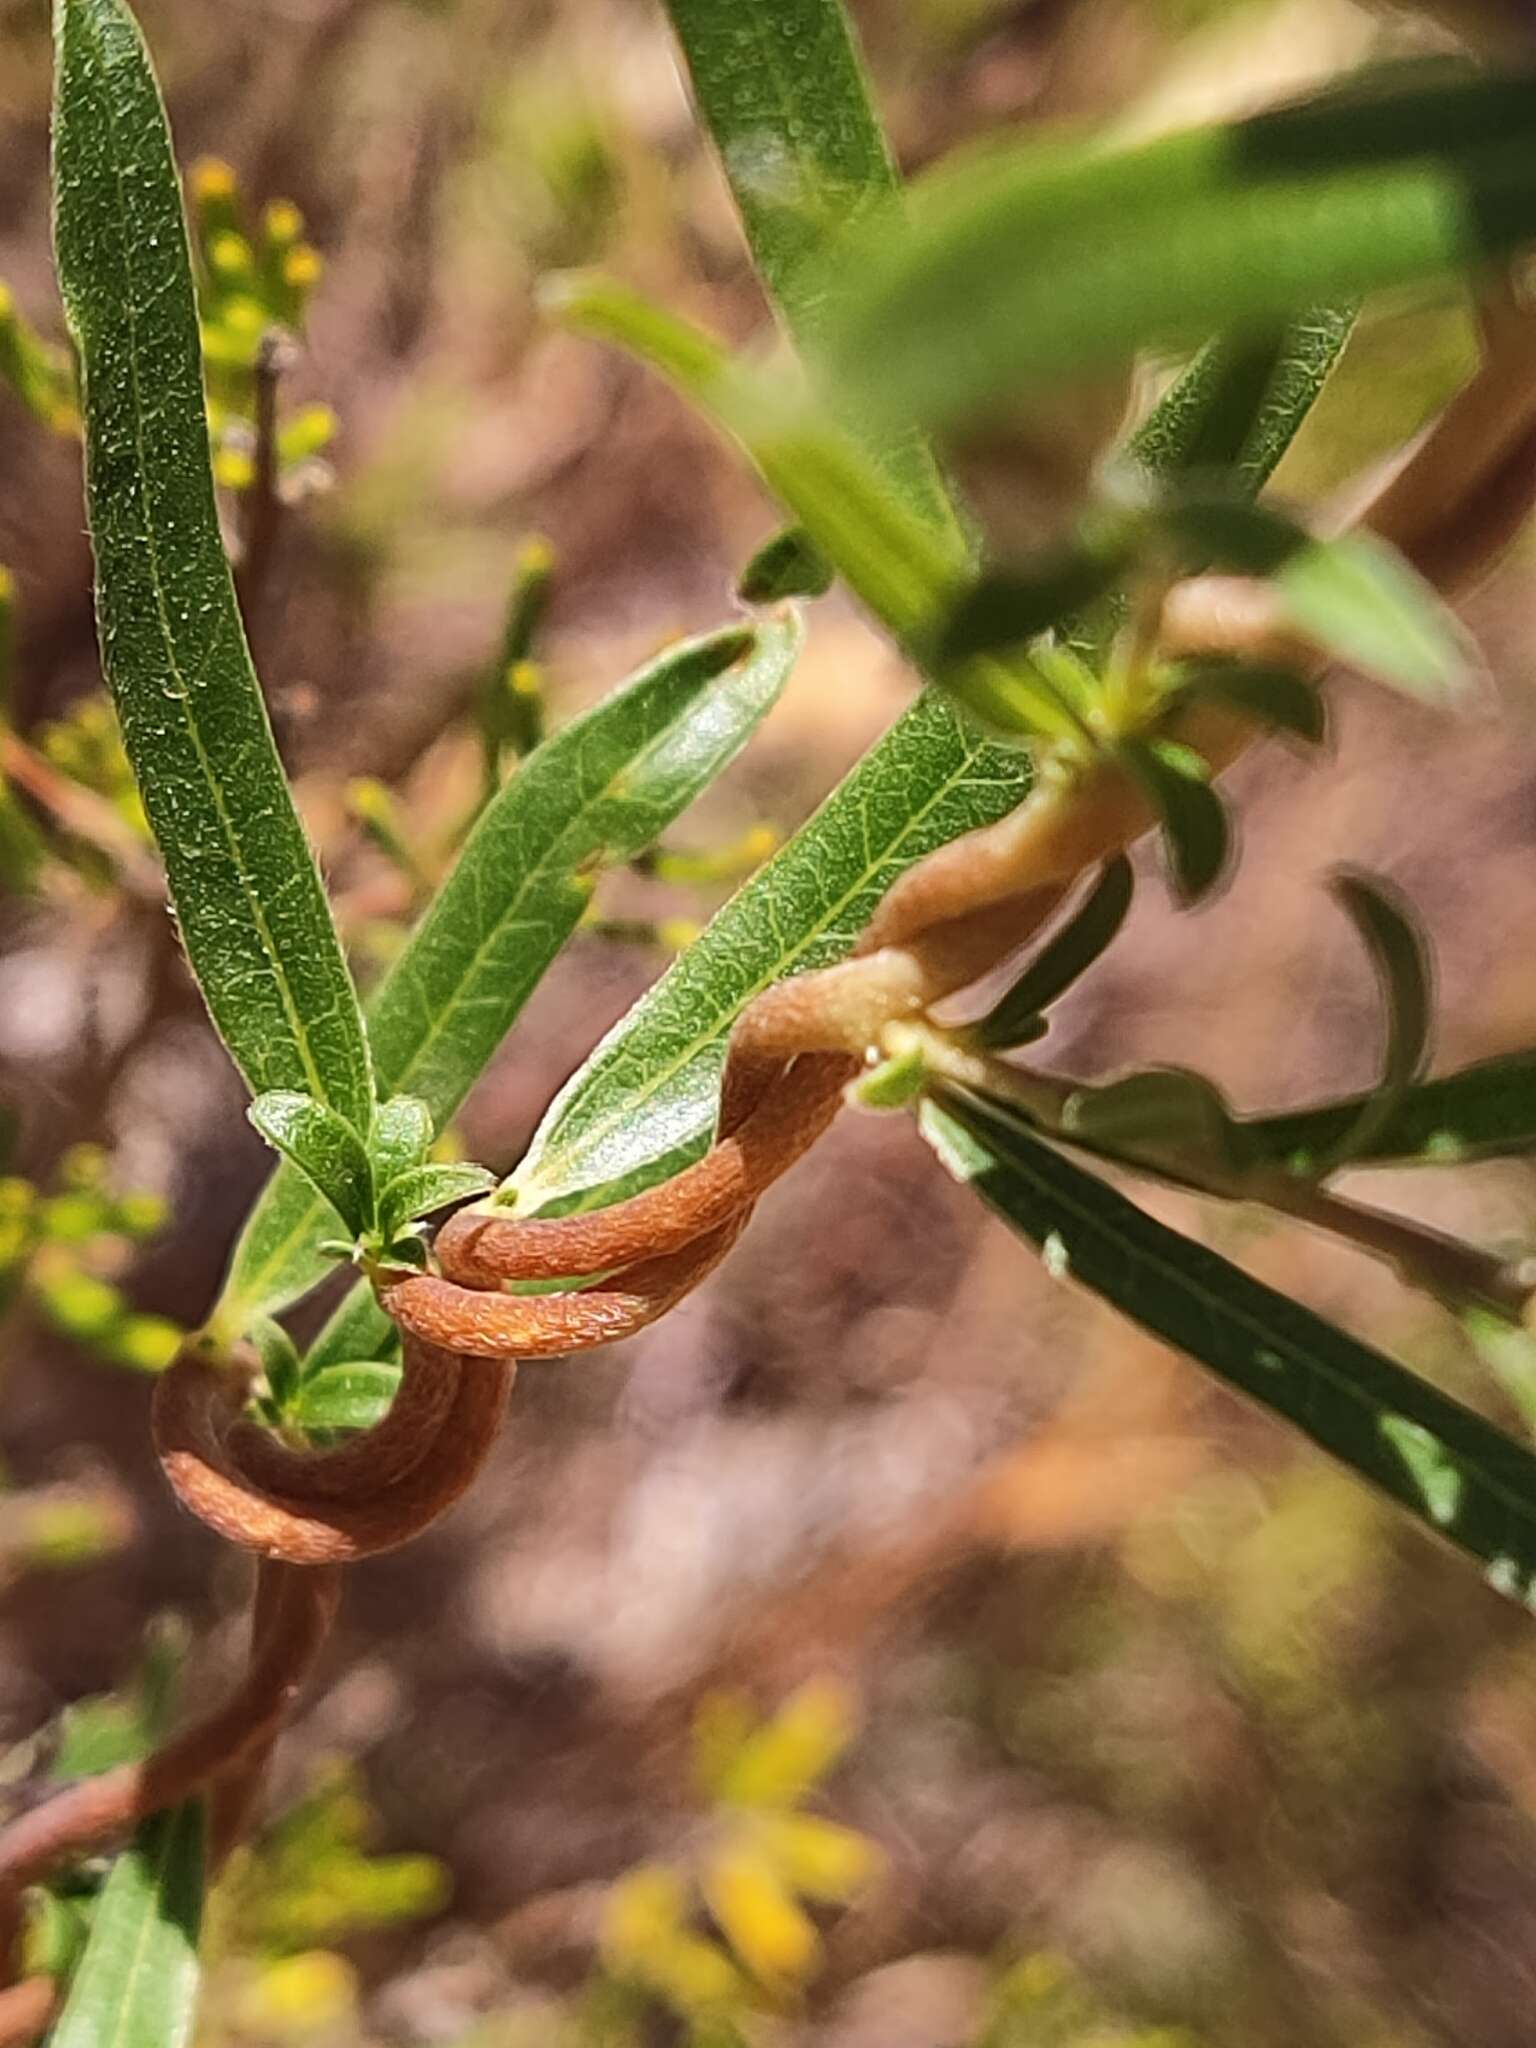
[{"x": 1455, "y": 1273}]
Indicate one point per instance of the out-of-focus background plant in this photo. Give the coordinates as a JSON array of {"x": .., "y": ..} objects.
[{"x": 908, "y": 1657}]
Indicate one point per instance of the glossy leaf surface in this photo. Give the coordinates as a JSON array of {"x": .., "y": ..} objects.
[
  {"x": 781, "y": 89},
  {"x": 324, "y": 1148}
]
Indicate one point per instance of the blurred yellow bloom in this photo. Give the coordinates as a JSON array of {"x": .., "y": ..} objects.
[{"x": 760, "y": 1917}]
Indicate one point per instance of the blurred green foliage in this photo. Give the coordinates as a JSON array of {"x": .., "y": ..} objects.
[{"x": 61, "y": 1246}]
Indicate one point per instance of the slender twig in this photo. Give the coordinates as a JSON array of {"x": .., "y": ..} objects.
[
  {"x": 1455, "y": 1273},
  {"x": 262, "y": 506},
  {"x": 94, "y": 1810}
]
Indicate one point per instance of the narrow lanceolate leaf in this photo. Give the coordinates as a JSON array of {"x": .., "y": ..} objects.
[
  {"x": 1194, "y": 818},
  {"x": 1045, "y": 261},
  {"x": 1238, "y": 405},
  {"x": 902, "y": 566},
  {"x": 1462, "y": 1477},
  {"x": 136, "y": 1986},
  {"x": 1353, "y": 596},
  {"x": 782, "y": 92},
  {"x": 1224, "y": 413},
  {"x": 1062, "y": 960},
  {"x": 322, "y": 1147},
  {"x": 1278, "y": 697},
  {"x": 1006, "y": 607},
  {"x": 644, "y": 1104},
  {"x": 1360, "y": 601},
  {"x": 243, "y": 880},
  {"x": 359, "y": 1329},
  {"x": 1486, "y": 1111},
  {"x": 1400, "y": 956},
  {"x": 599, "y": 792}
]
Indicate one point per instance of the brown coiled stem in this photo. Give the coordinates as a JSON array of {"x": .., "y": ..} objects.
[
  {"x": 26, "y": 2009},
  {"x": 197, "y": 1406},
  {"x": 96, "y": 1810}
]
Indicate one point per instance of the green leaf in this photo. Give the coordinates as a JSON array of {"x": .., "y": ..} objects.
[
  {"x": 1042, "y": 261},
  {"x": 598, "y": 792},
  {"x": 426, "y": 1189},
  {"x": 137, "y": 1983},
  {"x": 1175, "y": 1121},
  {"x": 1216, "y": 415},
  {"x": 1238, "y": 405},
  {"x": 788, "y": 565},
  {"x": 1510, "y": 1355},
  {"x": 354, "y": 1394},
  {"x": 279, "y": 1355},
  {"x": 1357, "y": 599},
  {"x": 1311, "y": 345},
  {"x": 96, "y": 1735},
  {"x": 1277, "y": 697},
  {"x": 906, "y": 570},
  {"x": 358, "y": 1329},
  {"x": 1400, "y": 957},
  {"x": 1462, "y": 1477},
  {"x": 242, "y": 877},
  {"x": 402, "y": 1137},
  {"x": 644, "y": 1103},
  {"x": 1354, "y": 596},
  {"x": 1006, "y": 607},
  {"x": 1194, "y": 818},
  {"x": 1061, "y": 961},
  {"x": 1204, "y": 419},
  {"x": 324, "y": 1148},
  {"x": 781, "y": 90},
  {"x": 1486, "y": 1111}
]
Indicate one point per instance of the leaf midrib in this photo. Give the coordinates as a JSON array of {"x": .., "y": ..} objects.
[
  {"x": 596, "y": 1132},
  {"x": 183, "y": 700},
  {"x": 535, "y": 876},
  {"x": 1214, "y": 1307}
]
